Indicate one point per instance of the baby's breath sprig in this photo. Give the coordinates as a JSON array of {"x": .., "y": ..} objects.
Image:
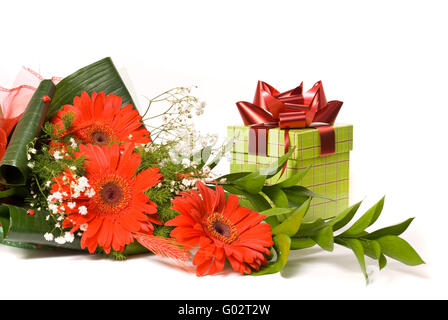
[{"x": 175, "y": 110}]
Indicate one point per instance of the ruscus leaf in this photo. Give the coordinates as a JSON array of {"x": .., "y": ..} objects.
[
  {"x": 292, "y": 224},
  {"x": 366, "y": 220},
  {"x": 398, "y": 249}
]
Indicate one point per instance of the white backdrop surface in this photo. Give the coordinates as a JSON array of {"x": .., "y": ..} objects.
[{"x": 386, "y": 60}]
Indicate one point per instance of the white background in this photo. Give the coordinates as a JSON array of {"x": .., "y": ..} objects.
[{"x": 385, "y": 59}]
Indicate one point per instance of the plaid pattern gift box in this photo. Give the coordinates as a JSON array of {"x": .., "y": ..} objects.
[{"x": 328, "y": 176}]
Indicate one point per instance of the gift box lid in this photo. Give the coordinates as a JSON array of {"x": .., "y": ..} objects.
[{"x": 306, "y": 141}]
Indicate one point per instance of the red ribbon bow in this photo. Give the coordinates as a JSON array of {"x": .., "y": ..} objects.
[{"x": 291, "y": 109}]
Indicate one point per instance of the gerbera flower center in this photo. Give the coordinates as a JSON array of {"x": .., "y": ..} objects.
[
  {"x": 113, "y": 194},
  {"x": 100, "y": 138},
  {"x": 98, "y": 134},
  {"x": 221, "y": 228}
]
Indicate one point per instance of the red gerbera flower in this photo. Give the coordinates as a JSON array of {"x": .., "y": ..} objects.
[
  {"x": 101, "y": 120},
  {"x": 221, "y": 229},
  {"x": 118, "y": 208}
]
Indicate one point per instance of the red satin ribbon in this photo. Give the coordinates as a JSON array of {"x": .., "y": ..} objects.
[{"x": 291, "y": 109}]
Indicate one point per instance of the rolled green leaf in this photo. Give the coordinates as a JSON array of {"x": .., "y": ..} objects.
[
  {"x": 282, "y": 245},
  {"x": 96, "y": 77},
  {"x": 14, "y": 165},
  {"x": 302, "y": 243},
  {"x": 19, "y": 227}
]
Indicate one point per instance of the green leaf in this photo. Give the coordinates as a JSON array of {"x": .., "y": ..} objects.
[
  {"x": 272, "y": 221},
  {"x": 304, "y": 192},
  {"x": 276, "y": 166},
  {"x": 297, "y": 195},
  {"x": 20, "y": 227},
  {"x": 282, "y": 244},
  {"x": 382, "y": 261},
  {"x": 277, "y": 196},
  {"x": 371, "y": 248},
  {"x": 275, "y": 212},
  {"x": 394, "y": 230},
  {"x": 398, "y": 249},
  {"x": 302, "y": 243},
  {"x": 366, "y": 220},
  {"x": 202, "y": 156},
  {"x": 358, "y": 250},
  {"x": 234, "y": 176},
  {"x": 311, "y": 228},
  {"x": 19, "y": 192},
  {"x": 96, "y": 77},
  {"x": 252, "y": 183},
  {"x": 258, "y": 202},
  {"x": 343, "y": 218},
  {"x": 294, "y": 179},
  {"x": 324, "y": 238},
  {"x": 292, "y": 224},
  {"x": 14, "y": 165}
]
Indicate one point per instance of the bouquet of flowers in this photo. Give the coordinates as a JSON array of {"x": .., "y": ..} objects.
[{"x": 82, "y": 169}]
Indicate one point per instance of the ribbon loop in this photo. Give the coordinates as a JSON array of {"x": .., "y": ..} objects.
[{"x": 292, "y": 109}]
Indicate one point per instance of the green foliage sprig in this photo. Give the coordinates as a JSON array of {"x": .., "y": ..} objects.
[{"x": 286, "y": 203}]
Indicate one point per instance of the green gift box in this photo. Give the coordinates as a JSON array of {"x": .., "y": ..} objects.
[{"x": 328, "y": 176}]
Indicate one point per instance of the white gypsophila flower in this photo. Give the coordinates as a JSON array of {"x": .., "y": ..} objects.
[
  {"x": 31, "y": 165},
  {"x": 28, "y": 156},
  {"x": 73, "y": 143},
  {"x": 57, "y": 196},
  {"x": 73, "y": 168},
  {"x": 32, "y": 150},
  {"x": 57, "y": 225},
  {"x": 60, "y": 240},
  {"x": 186, "y": 182},
  {"x": 47, "y": 217},
  {"x": 186, "y": 162},
  {"x": 48, "y": 236},
  {"x": 76, "y": 194},
  {"x": 48, "y": 183},
  {"x": 83, "y": 227},
  {"x": 90, "y": 192},
  {"x": 82, "y": 210},
  {"x": 71, "y": 205},
  {"x": 69, "y": 237},
  {"x": 57, "y": 155},
  {"x": 53, "y": 208}
]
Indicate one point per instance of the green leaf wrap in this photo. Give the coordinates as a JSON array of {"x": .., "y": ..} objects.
[
  {"x": 99, "y": 76},
  {"x": 13, "y": 167},
  {"x": 19, "y": 227}
]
